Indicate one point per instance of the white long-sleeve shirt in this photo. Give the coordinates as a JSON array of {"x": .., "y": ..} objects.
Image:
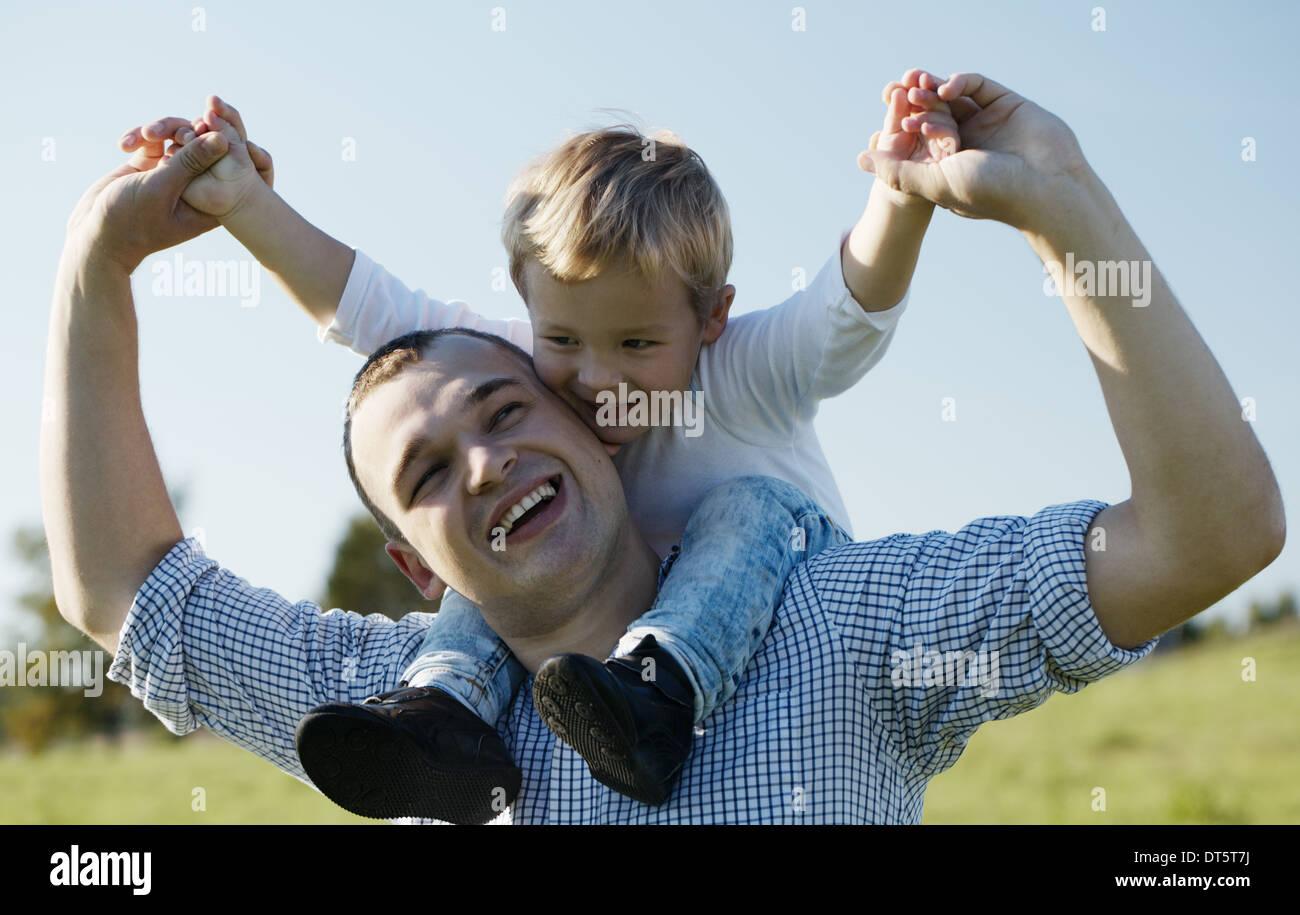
[{"x": 761, "y": 383}]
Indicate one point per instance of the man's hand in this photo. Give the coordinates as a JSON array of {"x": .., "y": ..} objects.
[
  {"x": 137, "y": 209},
  {"x": 1016, "y": 159},
  {"x": 226, "y": 185}
]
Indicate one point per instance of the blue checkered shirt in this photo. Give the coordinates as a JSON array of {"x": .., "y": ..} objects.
[{"x": 839, "y": 717}]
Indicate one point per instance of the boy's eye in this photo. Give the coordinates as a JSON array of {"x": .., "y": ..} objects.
[
  {"x": 562, "y": 341},
  {"x": 638, "y": 344}
]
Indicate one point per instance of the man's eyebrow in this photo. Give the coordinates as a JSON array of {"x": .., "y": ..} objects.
[
  {"x": 488, "y": 388},
  {"x": 418, "y": 444}
]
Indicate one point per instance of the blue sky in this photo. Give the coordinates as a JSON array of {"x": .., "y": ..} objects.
[{"x": 245, "y": 406}]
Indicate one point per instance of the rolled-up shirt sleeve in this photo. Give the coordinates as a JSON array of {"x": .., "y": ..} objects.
[
  {"x": 951, "y": 630},
  {"x": 202, "y": 647}
]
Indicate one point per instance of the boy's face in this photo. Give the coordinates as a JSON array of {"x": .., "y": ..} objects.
[{"x": 617, "y": 328}]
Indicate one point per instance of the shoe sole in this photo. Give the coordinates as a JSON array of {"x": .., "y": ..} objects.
[
  {"x": 377, "y": 770},
  {"x": 574, "y": 711}
]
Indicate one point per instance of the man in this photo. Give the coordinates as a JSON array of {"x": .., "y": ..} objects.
[{"x": 822, "y": 728}]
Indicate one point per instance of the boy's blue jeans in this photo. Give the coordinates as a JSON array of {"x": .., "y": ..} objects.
[{"x": 711, "y": 613}]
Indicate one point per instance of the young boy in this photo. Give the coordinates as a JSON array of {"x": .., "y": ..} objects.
[{"x": 619, "y": 245}]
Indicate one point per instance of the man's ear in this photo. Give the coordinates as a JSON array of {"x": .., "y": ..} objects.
[
  {"x": 716, "y": 322},
  {"x": 413, "y": 567}
]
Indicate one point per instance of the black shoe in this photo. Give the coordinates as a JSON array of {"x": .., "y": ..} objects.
[
  {"x": 414, "y": 752},
  {"x": 631, "y": 721}
]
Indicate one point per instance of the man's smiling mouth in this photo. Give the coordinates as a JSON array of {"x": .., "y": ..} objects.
[{"x": 522, "y": 512}]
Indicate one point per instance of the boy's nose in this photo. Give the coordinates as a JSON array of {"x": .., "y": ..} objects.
[{"x": 595, "y": 377}]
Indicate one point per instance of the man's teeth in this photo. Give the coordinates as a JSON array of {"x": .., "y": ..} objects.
[{"x": 542, "y": 493}]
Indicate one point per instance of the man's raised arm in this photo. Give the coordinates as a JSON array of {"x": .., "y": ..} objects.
[
  {"x": 108, "y": 517},
  {"x": 1205, "y": 512}
]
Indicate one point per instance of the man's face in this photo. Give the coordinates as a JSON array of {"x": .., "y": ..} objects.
[
  {"x": 454, "y": 447},
  {"x": 616, "y": 328}
]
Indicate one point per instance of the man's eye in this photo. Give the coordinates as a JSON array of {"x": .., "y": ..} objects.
[
  {"x": 638, "y": 344},
  {"x": 428, "y": 475},
  {"x": 503, "y": 413},
  {"x": 563, "y": 341}
]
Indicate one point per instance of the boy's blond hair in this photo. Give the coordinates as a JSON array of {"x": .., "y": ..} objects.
[{"x": 616, "y": 195}]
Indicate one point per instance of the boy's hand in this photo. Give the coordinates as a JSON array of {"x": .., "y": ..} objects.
[
  {"x": 919, "y": 126},
  {"x": 223, "y": 188}
]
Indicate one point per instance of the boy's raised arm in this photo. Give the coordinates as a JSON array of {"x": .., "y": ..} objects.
[
  {"x": 352, "y": 300},
  {"x": 310, "y": 265},
  {"x": 879, "y": 256}
]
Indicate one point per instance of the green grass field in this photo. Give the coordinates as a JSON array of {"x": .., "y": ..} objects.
[{"x": 1178, "y": 739}]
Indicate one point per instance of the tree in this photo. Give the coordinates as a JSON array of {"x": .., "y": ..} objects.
[
  {"x": 1284, "y": 608},
  {"x": 365, "y": 580},
  {"x": 34, "y": 716}
]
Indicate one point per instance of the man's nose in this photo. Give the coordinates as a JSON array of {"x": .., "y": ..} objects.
[{"x": 489, "y": 464}]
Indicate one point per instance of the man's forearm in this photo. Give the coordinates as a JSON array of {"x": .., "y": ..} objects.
[
  {"x": 1204, "y": 501},
  {"x": 310, "y": 265},
  {"x": 879, "y": 256},
  {"x": 108, "y": 517}
]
